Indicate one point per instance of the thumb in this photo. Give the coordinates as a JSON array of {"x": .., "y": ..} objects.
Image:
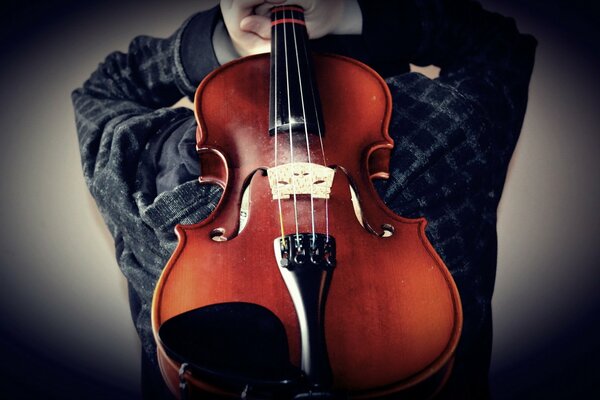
[{"x": 257, "y": 24}]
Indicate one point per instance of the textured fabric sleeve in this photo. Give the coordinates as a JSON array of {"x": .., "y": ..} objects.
[
  {"x": 455, "y": 134},
  {"x": 128, "y": 96},
  {"x": 124, "y": 105}
]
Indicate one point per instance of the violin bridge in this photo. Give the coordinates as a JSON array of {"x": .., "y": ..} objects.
[{"x": 300, "y": 178}]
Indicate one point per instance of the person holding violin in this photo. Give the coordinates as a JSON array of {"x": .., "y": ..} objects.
[{"x": 454, "y": 137}]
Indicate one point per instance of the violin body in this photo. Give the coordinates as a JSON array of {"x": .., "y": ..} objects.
[{"x": 392, "y": 316}]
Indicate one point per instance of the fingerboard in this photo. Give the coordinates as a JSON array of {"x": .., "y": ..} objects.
[{"x": 294, "y": 97}]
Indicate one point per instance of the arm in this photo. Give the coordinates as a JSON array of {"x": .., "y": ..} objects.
[
  {"x": 485, "y": 66},
  {"x": 481, "y": 54},
  {"x": 126, "y": 100},
  {"x": 121, "y": 111}
]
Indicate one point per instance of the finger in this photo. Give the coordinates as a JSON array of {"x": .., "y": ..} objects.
[
  {"x": 257, "y": 24},
  {"x": 235, "y": 10},
  {"x": 265, "y": 8}
]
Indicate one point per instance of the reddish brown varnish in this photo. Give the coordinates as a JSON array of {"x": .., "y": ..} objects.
[{"x": 393, "y": 314}]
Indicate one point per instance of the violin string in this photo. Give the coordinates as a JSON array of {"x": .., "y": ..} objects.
[
  {"x": 311, "y": 176},
  {"x": 287, "y": 77},
  {"x": 314, "y": 95},
  {"x": 320, "y": 132},
  {"x": 276, "y": 127}
]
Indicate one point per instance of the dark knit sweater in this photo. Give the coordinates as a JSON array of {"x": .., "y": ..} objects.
[{"x": 454, "y": 137}]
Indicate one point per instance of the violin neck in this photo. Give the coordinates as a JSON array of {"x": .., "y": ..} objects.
[{"x": 294, "y": 98}]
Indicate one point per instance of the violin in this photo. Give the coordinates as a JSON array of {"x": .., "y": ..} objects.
[{"x": 321, "y": 291}]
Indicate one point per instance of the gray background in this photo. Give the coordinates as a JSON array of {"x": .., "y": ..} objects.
[{"x": 65, "y": 330}]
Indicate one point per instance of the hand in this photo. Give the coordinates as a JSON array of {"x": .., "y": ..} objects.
[{"x": 249, "y": 24}]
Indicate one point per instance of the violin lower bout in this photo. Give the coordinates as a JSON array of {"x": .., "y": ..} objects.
[{"x": 392, "y": 316}]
